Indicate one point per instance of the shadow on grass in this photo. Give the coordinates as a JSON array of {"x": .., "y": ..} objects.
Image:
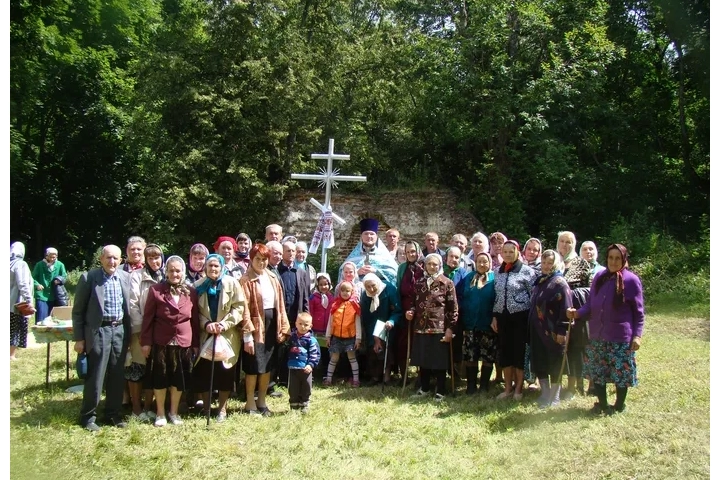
[{"x": 54, "y": 411}]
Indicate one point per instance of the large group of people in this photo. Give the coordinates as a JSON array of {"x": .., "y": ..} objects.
[{"x": 154, "y": 325}]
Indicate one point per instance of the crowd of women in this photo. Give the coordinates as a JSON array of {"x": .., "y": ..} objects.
[{"x": 532, "y": 315}]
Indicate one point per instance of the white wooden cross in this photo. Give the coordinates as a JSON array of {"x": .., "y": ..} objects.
[{"x": 328, "y": 177}]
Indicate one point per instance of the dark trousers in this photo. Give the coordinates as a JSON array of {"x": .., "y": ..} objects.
[
  {"x": 299, "y": 387},
  {"x": 105, "y": 359}
]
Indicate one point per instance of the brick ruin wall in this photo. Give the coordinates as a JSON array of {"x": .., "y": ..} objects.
[{"x": 412, "y": 213}]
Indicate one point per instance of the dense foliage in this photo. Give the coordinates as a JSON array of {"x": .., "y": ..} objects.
[{"x": 182, "y": 119}]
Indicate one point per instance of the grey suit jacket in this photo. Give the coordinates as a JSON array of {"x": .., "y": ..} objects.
[{"x": 88, "y": 305}]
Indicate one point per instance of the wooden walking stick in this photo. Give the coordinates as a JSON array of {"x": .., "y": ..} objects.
[
  {"x": 407, "y": 360},
  {"x": 212, "y": 374},
  {"x": 452, "y": 366},
  {"x": 565, "y": 352},
  {"x": 387, "y": 342}
]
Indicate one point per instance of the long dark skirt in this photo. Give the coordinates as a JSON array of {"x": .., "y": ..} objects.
[
  {"x": 223, "y": 378},
  {"x": 429, "y": 352},
  {"x": 512, "y": 335},
  {"x": 265, "y": 358},
  {"x": 169, "y": 367},
  {"x": 579, "y": 336},
  {"x": 545, "y": 361}
]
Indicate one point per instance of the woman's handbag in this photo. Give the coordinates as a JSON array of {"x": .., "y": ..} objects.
[{"x": 25, "y": 309}]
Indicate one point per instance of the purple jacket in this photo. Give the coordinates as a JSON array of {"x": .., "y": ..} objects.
[{"x": 613, "y": 324}]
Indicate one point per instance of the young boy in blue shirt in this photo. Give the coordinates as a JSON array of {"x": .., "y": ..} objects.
[{"x": 303, "y": 357}]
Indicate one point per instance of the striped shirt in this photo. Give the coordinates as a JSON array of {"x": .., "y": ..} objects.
[{"x": 112, "y": 307}]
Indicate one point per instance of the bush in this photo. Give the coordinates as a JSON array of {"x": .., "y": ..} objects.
[{"x": 671, "y": 272}]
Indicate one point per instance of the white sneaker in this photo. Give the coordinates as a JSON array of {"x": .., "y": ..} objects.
[
  {"x": 420, "y": 393},
  {"x": 439, "y": 397},
  {"x": 160, "y": 422},
  {"x": 175, "y": 419}
]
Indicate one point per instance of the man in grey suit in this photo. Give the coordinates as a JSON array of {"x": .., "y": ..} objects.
[{"x": 100, "y": 323}]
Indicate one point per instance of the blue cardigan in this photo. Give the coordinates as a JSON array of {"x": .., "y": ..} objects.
[{"x": 476, "y": 304}]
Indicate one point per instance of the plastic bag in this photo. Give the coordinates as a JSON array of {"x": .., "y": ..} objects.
[{"x": 223, "y": 349}]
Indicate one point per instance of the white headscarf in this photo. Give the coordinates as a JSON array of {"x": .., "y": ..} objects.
[
  {"x": 324, "y": 301},
  {"x": 375, "y": 299},
  {"x": 17, "y": 250},
  {"x": 431, "y": 278}
]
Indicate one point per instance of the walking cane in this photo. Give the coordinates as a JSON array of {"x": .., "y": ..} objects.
[
  {"x": 387, "y": 342},
  {"x": 212, "y": 374},
  {"x": 407, "y": 360},
  {"x": 452, "y": 367},
  {"x": 565, "y": 352}
]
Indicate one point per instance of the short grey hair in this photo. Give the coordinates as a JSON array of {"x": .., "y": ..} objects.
[{"x": 136, "y": 239}]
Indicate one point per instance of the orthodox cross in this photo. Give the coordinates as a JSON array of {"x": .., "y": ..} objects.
[{"x": 328, "y": 177}]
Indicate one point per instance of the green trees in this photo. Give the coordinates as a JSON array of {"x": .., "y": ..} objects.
[
  {"x": 182, "y": 120},
  {"x": 71, "y": 82}
]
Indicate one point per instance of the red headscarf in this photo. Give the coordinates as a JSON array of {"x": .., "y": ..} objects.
[{"x": 220, "y": 240}]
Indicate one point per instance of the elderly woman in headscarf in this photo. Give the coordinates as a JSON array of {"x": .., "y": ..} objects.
[
  {"x": 378, "y": 302},
  {"x": 226, "y": 247},
  {"x": 170, "y": 331},
  {"x": 46, "y": 273},
  {"x": 196, "y": 263},
  {"x": 21, "y": 291},
  {"x": 513, "y": 287},
  {"x": 221, "y": 303},
  {"x": 409, "y": 272},
  {"x": 434, "y": 317},
  {"x": 616, "y": 317},
  {"x": 588, "y": 251},
  {"x": 578, "y": 275},
  {"x": 548, "y": 325},
  {"x": 265, "y": 313},
  {"x": 479, "y": 243},
  {"x": 141, "y": 280},
  {"x": 476, "y": 313},
  {"x": 531, "y": 256},
  {"x": 497, "y": 241},
  {"x": 531, "y": 253}
]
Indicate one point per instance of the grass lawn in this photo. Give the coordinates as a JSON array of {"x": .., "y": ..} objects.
[{"x": 360, "y": 433}]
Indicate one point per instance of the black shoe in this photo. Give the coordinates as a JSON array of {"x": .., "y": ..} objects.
[
  {"x": 117, "y": 422},
  {"x": 598, "y": 409},
  {"x": 618, "y": 408},
  {"x": 91, "y": 427}
]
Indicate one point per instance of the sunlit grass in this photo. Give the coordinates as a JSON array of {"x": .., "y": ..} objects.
[{"x": 361, "y": 433}]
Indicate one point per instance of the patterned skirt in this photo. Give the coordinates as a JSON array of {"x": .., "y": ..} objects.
[
  {"x": 18, "y": 330},
  {"x": 479, "y": 346},
  {"x": 611, "y": 362}
]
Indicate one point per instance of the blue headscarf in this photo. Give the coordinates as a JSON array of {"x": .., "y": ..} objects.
[{"x": 208, "y": 286}]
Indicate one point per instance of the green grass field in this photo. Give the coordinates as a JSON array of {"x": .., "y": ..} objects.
[{"x": 360, "y": 433}]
